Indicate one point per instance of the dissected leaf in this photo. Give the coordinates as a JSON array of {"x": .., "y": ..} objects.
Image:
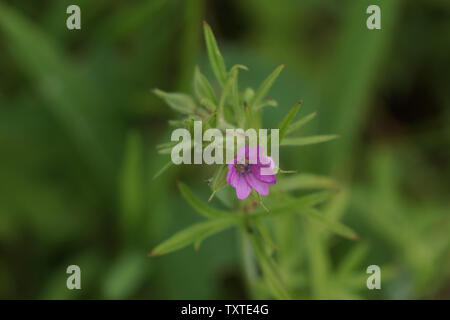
[
  {"x": 290, "y": 204},
  {"x": 178, "y": 101},
  {"x": 270, "y": 269},
  {"x": 192, "y": 234},
  {"x": 203, "y": 88},
  {"x": 200, "y": 206}
]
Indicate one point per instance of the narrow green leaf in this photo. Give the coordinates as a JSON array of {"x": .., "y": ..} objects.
[
  {"x": 202, "y": 88},
  {"x": 303, "y": 141},
  {"x": 334, "y": 226},
  {"x": 300, "y": 123},
  {"x": 266, "y": 85},
  {"x": 178, "y": 101},
  {"x": 192, "y": 234},
  {"x": 208, "y": 104},
  {"x": 305, "y": 181},
  {"x": 215, "y": 58},
  {"x": 200, "y": 206},
  {"x": 284, "y": 124},
  {"x": 267, "y": 103}
]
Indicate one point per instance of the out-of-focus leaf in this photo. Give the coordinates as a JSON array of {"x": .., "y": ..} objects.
[
  {"x": 263, "y": 90},
  {"x": 192, "y": 234},
  {"x": 305, "y": 181},
  {"x": 126, "y": 275},
  {"x": 334, "y": 226},
  {"x": 300, "y": 123},
  {"x": 199, "y": 206},
  {"x": 215, "y": 58},
  {"x": 303, "y": 141},
  {"x": 178, "y": 101},
  {"x": 131, "y": 184}
]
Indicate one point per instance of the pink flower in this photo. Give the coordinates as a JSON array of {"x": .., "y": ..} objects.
[{"x": 251, "y": 169}]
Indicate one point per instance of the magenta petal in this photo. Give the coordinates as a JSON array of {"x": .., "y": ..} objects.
[
  {"x": 234, "y": 180},
  {"x": 258, "y": 185},
  {"x": 231, "y": 172},
  {"x": 270, "y": 178},
  {"x": 242, "y": 187}
]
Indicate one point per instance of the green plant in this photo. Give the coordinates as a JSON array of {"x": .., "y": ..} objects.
[{"x": 230, "y": 109}]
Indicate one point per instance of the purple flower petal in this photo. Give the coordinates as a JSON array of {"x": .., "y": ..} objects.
[
  {"x": 267, "y": 178},
  {"x": 258, "y": 185},
  {"x": 242, "y": 187},
  {"x": 231, "y": 172}
]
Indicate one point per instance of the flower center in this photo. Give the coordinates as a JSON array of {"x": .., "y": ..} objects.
[{"x": 242, "y": 168}]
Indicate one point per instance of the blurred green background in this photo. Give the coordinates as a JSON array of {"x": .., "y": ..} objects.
[{"x": 79, "y": 125}]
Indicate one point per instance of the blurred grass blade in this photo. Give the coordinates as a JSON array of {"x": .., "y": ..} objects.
[
  {"x": 303, "y": 141},
  {"x": 215, "y": 58},
  {"x": 203, "y": 89},
  {"x": 192, "y": 234},
  {"x": 305, "y": 181},
  {"x": 334, "y": 226},
  {"x": 199, "y": 206},
  {"x": 178, "y": 101},
  {"x": 263, "y": 90},
  {"x": 300, "y": 123},
  {"x": 131, "y": 185}
]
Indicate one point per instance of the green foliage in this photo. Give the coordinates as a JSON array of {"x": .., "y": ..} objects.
[
  {"x": 79, "y": 127},
  {"x": 229, "y": 103}
]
